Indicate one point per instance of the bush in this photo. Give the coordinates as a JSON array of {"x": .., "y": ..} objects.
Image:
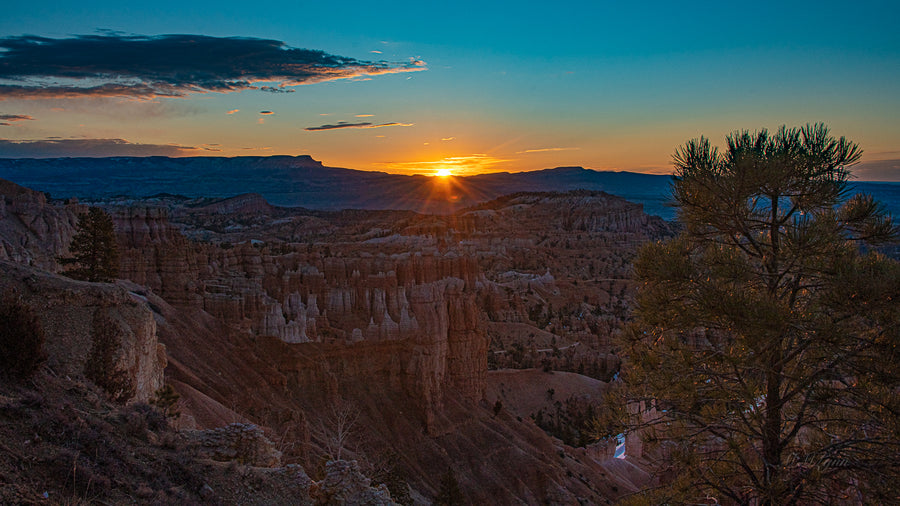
[
  {"x": 102, "y": 364},
  {"x": 21, "y": 340},
  {"x": 165, "y": 399}
]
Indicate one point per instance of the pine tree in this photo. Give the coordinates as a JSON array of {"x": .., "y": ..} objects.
[
  {"x": 765, "y": 345},
  {"x": 94, "y": 251}
]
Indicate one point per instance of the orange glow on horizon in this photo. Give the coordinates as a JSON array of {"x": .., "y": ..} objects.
[{"x": 465, "y": 165}]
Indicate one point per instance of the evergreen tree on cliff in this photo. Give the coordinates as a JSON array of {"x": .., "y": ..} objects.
[
  {"x": 95, "y": 254},
  {"x": 762, "y": 366}
]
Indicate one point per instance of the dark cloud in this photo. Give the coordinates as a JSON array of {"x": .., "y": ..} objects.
[
  {"x": 276, "y": 89},
  {"x": 137, "y": 66},
  {"x": 344, "y": 124},
  {"x": 266, "y": 112},
  {"x": 15, "y": 117},
  {"x": 56, "y": 148}
]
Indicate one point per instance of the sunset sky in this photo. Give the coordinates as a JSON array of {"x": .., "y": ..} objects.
[{"x": 469, "y": 86}]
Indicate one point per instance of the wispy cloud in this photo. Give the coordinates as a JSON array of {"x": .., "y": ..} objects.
[
  {"x": 544, "y": 150},
  {"x": 232, "y": 111},
  {"x": 9, "y": 119},
  {"x": 448, "y": 138},
  {"x": 54, "y": 148},
  {"x": 344, "y": 124},
  {"x": 364, "y": 115},
  {"x": 144, "y": 67}
]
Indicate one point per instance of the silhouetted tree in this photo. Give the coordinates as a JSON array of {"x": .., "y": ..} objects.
[
  {"x": 766, "y": 343},
  {"x": 95, "y": 254}
]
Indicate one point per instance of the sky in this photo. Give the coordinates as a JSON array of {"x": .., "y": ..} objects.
[{"x": 469, "y": 87}]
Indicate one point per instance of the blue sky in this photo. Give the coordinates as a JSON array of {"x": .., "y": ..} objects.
[{"x": 482, "y": 86}]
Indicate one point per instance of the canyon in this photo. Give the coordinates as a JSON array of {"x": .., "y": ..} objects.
[{"x": 288, "y": 318}]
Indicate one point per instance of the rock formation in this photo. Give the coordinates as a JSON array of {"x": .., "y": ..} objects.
[
  {"x": 273, "y": 314},
  {"x": 32, "y": 231},
  {"x": 74, "y": 314}
]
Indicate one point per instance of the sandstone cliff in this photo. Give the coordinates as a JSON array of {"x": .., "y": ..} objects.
[
  {"x": 32, "y": 231},
  {"x": 74, "y": 316}
]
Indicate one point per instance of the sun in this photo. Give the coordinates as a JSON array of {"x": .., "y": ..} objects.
[{"x": 444, "y": 172}]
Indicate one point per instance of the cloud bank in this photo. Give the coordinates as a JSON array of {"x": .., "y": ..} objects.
[
  {"x": 57, "y": 148},
  {"x": 344, "y": 124},
  {"x": 145, "y": 67}
]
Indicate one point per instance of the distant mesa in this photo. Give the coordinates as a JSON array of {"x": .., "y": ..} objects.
[{"x": 301, "y": 181}]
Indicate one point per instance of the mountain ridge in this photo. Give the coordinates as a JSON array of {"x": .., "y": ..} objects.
[{"x": 302, "y": 181}]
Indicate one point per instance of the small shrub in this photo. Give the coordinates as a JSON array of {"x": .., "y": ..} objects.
[
  {"x": 21, "y": 340},
  {"x": 165, "y": 400},
  {"x": 102, "y": 364}
]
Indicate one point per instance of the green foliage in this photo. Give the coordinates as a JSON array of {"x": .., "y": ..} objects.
[
  {"x": 102, "y": 366},
  {"x": 761, "y": 364},
  {"x": 95, "y": 254},
  {"x": 21, "y": 340}
]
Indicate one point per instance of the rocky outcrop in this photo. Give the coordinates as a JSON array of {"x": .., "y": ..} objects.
[
  {"x": 33, "y": 231},
  {"x": 153, "y": 253},
  {"x": 245, "y": 443},
  {"x": 344, "y": 484},
  {"x": 83, "y": 321}
]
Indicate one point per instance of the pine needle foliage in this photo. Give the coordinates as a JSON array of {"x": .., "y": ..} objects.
[
  {"x": 763, "y": 356},
  {"x": 95, "y": 254}
]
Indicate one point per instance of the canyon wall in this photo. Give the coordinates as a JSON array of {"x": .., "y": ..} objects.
[
  {"x": 420, "y": 307},
  {"x": 33, "y": 231}
]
